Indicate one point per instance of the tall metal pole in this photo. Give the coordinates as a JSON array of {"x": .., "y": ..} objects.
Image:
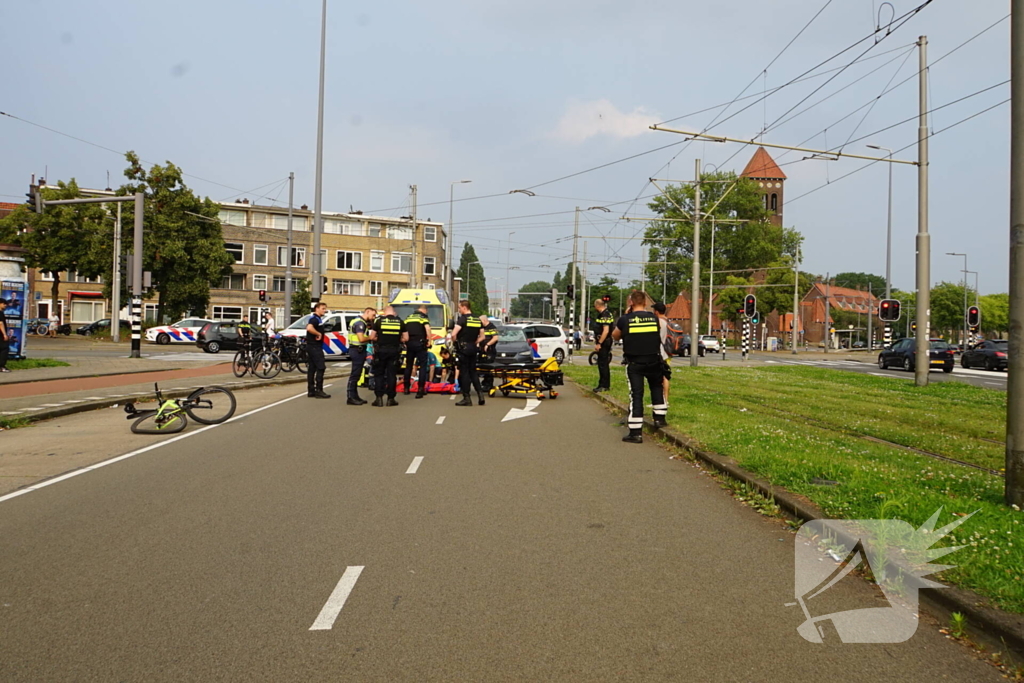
[
  {"x": 796, "y": 298},
  {"x": 506, "y": 297},
  {"x": 924, "y": 294},
  {"x": 711, "y": 272},
  {"x": 415, "y": 252},
  {"x": 318, "y": 219},
  {"x": 828, "y": 326},
  {"x": 575, "y": 239},
  {"x": 695, "y": 276},
  {"x": 888, "y": 238},
  {"x": 137, "y": 279},
  {"x": 871, "y": 315},
  {"x": 115, "y": 289},
  {"x": 288, "y": 261},
  {"x": 1015, "y": 385},
  {"x": 584, "y": 305}
]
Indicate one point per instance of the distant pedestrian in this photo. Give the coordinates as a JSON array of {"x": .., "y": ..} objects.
[
  {"x": 641, "y": 346},
  {"x": 466, "y": 336},
  {"x": 666, "y": 355},
  {"x": 358, "y": 338},
  {"x": 417, "y": 324},
  {"x": 315, "y": 353},
  {"x": 269, "y": 325},
  {"x": 5, "y": 339},
  {"x": 388, "y": 335},
  {"x": 603, "y": 324},
  {"x": 51, "y": 330},
  {"x": 577, "y": 338}
]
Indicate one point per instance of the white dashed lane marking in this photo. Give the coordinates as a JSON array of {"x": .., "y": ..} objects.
[
  {"x": 415, "y": 465},
  {"x": 332, "y": 608},
  {"x": 440, "y": 420}
]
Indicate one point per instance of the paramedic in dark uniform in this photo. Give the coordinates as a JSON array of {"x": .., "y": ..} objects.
[
  {"x": 315, "y": 352},
  {"x": 387, "y": 335},
  {"x": 603, "y": 324},
  {"x": 358, "y": 338},
  {"x": 416, "y": 349},
  {"x": 641, "y": 345},
  {"x": 467, "y": 335}
]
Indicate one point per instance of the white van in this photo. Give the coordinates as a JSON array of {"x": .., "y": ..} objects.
[{"x": 336, "y": 327}]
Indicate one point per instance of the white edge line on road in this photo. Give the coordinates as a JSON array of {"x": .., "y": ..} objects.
[
  {"x": 440, "y": 420},
  {"x": 415, "y": 465},
  {"x": 325, "y": 620},
  {"x": 111, "y": 461}
]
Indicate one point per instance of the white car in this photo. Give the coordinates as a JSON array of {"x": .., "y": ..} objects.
[
  {"x": 546, "y": 341},
  {"x": 336, "y": 325},
  {"x": 711, "y": 343},
  {"x": 181, "y": 332}
]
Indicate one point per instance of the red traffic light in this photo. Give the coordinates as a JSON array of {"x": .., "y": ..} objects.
[
  {"x": 750, "y": 306},
  {"x": 973, "y": 316},
  {"x": 263, "y": 295},
  {"x": 606, "y": 298},
  {"x": 889, "y": 310}
]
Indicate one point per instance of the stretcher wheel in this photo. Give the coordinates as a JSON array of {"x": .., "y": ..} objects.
[
  {"x": 505, "y": 392},
  {"x": 540, "y": 396},
  {"x": 491, "y": 392},
  {"x": 554, "y": 394}
]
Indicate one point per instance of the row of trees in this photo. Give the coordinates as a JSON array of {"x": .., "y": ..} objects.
[{"x": 183, "y": 245}]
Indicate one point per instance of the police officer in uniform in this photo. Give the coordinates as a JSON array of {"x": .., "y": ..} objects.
[
  {"x": 489, "y": 347},
  {"x": 388, "y": 335},
  {"x": 641, "y": 345},
  {"x": 603, "y": 324},
  {"x": 416, "y": 349},
  {"x": 315, "y": 352},
  {"x": 467, "y": 335},
  {"x": 358, "y": 338}
]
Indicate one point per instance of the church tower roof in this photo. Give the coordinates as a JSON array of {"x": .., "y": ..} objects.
[{"x": 763, "y": 167}]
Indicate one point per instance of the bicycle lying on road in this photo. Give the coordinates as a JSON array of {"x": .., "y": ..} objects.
[{"x": 206, "y": 405}]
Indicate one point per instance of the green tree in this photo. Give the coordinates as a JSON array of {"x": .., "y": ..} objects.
[
  {"x": 947, "y": 306},
  {"x": 995, "y": 314},
  {"x": 530, "y": 306},
  {"x": 61, "y": 239},
  {"x": 183, "y": 244},
  {"x": 781, "y": 298},
  {"x": 473, "y": 280},
  {"x": 861, "y": 281},
  {"x": 731, "y": 298},
  {"x": 302, "y": 298}
]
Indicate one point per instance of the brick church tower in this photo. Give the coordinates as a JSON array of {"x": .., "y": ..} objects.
[{"x": 770, "y": 179}]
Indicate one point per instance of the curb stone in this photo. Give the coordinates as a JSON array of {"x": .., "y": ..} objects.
[{"x": 1000, "y": 628}]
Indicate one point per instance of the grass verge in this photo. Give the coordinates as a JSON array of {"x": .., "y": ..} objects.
[
  {"x": 734, "y": 412},
  {"x": 30, "y": 363}
]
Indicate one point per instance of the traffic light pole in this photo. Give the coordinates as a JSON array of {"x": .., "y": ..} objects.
[
  {"x": 695, "y": 283},
  {"x": 572, "y": 299},
  {"x": 1015, "y": 382}
]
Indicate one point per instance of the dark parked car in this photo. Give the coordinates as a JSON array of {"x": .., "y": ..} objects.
[
  {"x": 213, "y": 337},
  {"x": 991, "y": 354},
  {"x": 903, "y": 355},
  {"x": 681, "y": 342},
  {"x": 102, "y": 325},
  {"x": 512, "y": 347}
]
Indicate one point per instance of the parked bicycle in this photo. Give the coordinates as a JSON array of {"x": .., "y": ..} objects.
[
  {"x": 292, "y": 352},
  {"x": 257, "y": 356},
  {"x": 206, "y": 405}
]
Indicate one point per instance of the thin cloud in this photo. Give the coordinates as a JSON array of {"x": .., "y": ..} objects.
[{"x": 584, "y": 120}]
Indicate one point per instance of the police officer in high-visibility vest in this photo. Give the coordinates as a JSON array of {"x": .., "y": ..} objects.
[
  {"x": 489, "y": 347},
  {"x": 388, "y": 335},
  {"x": 358, "y": 338},
  {"x": 641, "y": 345},
  {"x": 603, "y": 324},
  {"x": 466, "y": 336},
  {"x": 416, "y": 349},
  {"x": 315, "y": 353}
]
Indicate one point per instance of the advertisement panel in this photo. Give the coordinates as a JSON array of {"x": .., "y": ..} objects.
[{"x": 14, "y": 292}]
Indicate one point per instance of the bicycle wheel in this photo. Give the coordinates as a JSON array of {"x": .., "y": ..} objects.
[
  {"x": 266, "y": 365},
  {"x": 302, "y": 362},
  {"x": 288, "y": 361},
  {"x": 150, "y": 423},
  {"x": 240, "y": 364},
  {"x": 210, "y": 405}
]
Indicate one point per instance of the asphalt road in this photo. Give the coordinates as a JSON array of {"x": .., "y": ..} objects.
[{"x": 534, "y": 548}]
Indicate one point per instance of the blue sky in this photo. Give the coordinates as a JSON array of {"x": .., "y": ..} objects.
[{"x": 514, "y": 94}]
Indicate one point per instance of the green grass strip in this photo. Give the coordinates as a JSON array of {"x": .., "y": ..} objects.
[{"x": 30, "y": 363}]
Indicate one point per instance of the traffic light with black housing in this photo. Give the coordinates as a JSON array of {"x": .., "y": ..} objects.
[
  {"x": 606, "y": 298},
  {"x": 35, "y": 199},
  {"x": 889, "y": 310},
  {"x": 750, "y": 306},
  {"x": 973, "y": 316},
  {"x": 570, "y": 292},
  {"x": 263, "y": 296}
]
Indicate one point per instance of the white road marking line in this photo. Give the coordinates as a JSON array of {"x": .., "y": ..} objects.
[
  {"x": 516, "y": 413},
  {"x": 51, "y": 405},
  {"x": 96, "y": 398},
  {"x": 532, "y": 403},
  {"x": 452, "y": 397},
  {"x": 77, "y": 400},
  {"x": 415, "y": 465},
  {"x": 440, "y": 420},
  {"x": 325, "y": 620},
  {"x": 24, "y": 409},
  {"x": 10, "y": 412},
  {"x": 111, "y": 461}
]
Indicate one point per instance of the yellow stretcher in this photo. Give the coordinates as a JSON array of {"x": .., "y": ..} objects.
[{"x": 528, "y": 380}]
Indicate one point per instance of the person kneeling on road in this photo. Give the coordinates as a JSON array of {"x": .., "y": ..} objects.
[
  {"x": 388, "y": 335},
  {"x": 315, "y": 352},
  {"x": 467, "y": 335},
  {"x": 641, "y": 345}
]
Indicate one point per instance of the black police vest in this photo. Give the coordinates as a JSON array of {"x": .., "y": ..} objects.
[
  {"x": 603, "y": 319},
  {"x": 416, "y": 326},
  {"x": 389, "y": 331},
  {"x": 470, "y": 329},
  {"x": 318, "y": 325},
  {"x": 641, "y": 335}
]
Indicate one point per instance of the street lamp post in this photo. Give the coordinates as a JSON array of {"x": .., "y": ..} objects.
[
  {"x": 451, "y": 232},
  {"x": 508, "y": 251},
  {"x": 964, "y": 315},
  {"x": 318, "y": 219}
]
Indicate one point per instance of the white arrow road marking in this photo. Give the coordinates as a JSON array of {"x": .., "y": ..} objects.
[
  {"x": 516, "y": 413},
  {"x": 325, "y": 620},
  {"x": 415, "y": 465}
]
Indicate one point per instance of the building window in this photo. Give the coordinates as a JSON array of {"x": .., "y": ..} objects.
[
  {"x": 229, "y": 217},
  {"x": 350, "y": 287},
  {"x": 233, "y": 281},
  {"x": 342, "y": 228},
  {"x": 401, "y": 262},
  {"x": 429, "y": 265},
  {"x": 256, "y": 316},
  {"x": 87, "y": 311},
  {"x": 775, "y": 202},
  {"x": 259, "y": 282},
  {"x": 349, "y": 260},
  {"x": 428, "y": 285},
  {"x": 430, "y": 233},
  {"x": 73, "y": 277},
  {"x": 227, "y": 312},
  {"x": 278, "y": 284},
  {"x": 259, "y": 254},
  {"x": 46, "y": 275},
  {"x": 149, "y": 315},
  {"x": 376, "y": 288},
  {"x": 375, "y": 230},
  {"x": 237, "y": 250},
  {"x": 260, "y": 220},
  {"x": 400, "y": 232},
  {"x": 377, "y": 261},
  {"x": 298, "y": 256}
]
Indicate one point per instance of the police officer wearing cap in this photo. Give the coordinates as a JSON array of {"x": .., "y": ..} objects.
[
  {"x": 416, "y": 349},
  {"x": 641, "y": 345},
  {"x": 358, "y": 338},
  {"x": 315, "y": 353},
  {"x": 388, "y": 335},
  {"x": 467, "y": 335},
  {"x": 603, "y": 324}
]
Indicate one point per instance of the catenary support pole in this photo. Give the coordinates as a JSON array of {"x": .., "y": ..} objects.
[
  {"x": 288, "y": 262},
  {"x": 415, "y": 251},
  {"x": 828, "y": 325},
  {"x": 572, "y": 299},
  {"x": 871, "y": 316},
  {"x": 796, "y": 299},
  {"x": 922, "y": 366},
  {"x": 318, "y": 219},
  {"x": 115, "y": 289},
  {"x": 137, "y": 278},
  {"x": 711, "y": 273},
  {"x": 695, "y": 276},
  {"x": 1015, "y": 385}
]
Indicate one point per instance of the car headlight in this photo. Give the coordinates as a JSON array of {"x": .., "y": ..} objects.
[{"x": 524, "y": 354}]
